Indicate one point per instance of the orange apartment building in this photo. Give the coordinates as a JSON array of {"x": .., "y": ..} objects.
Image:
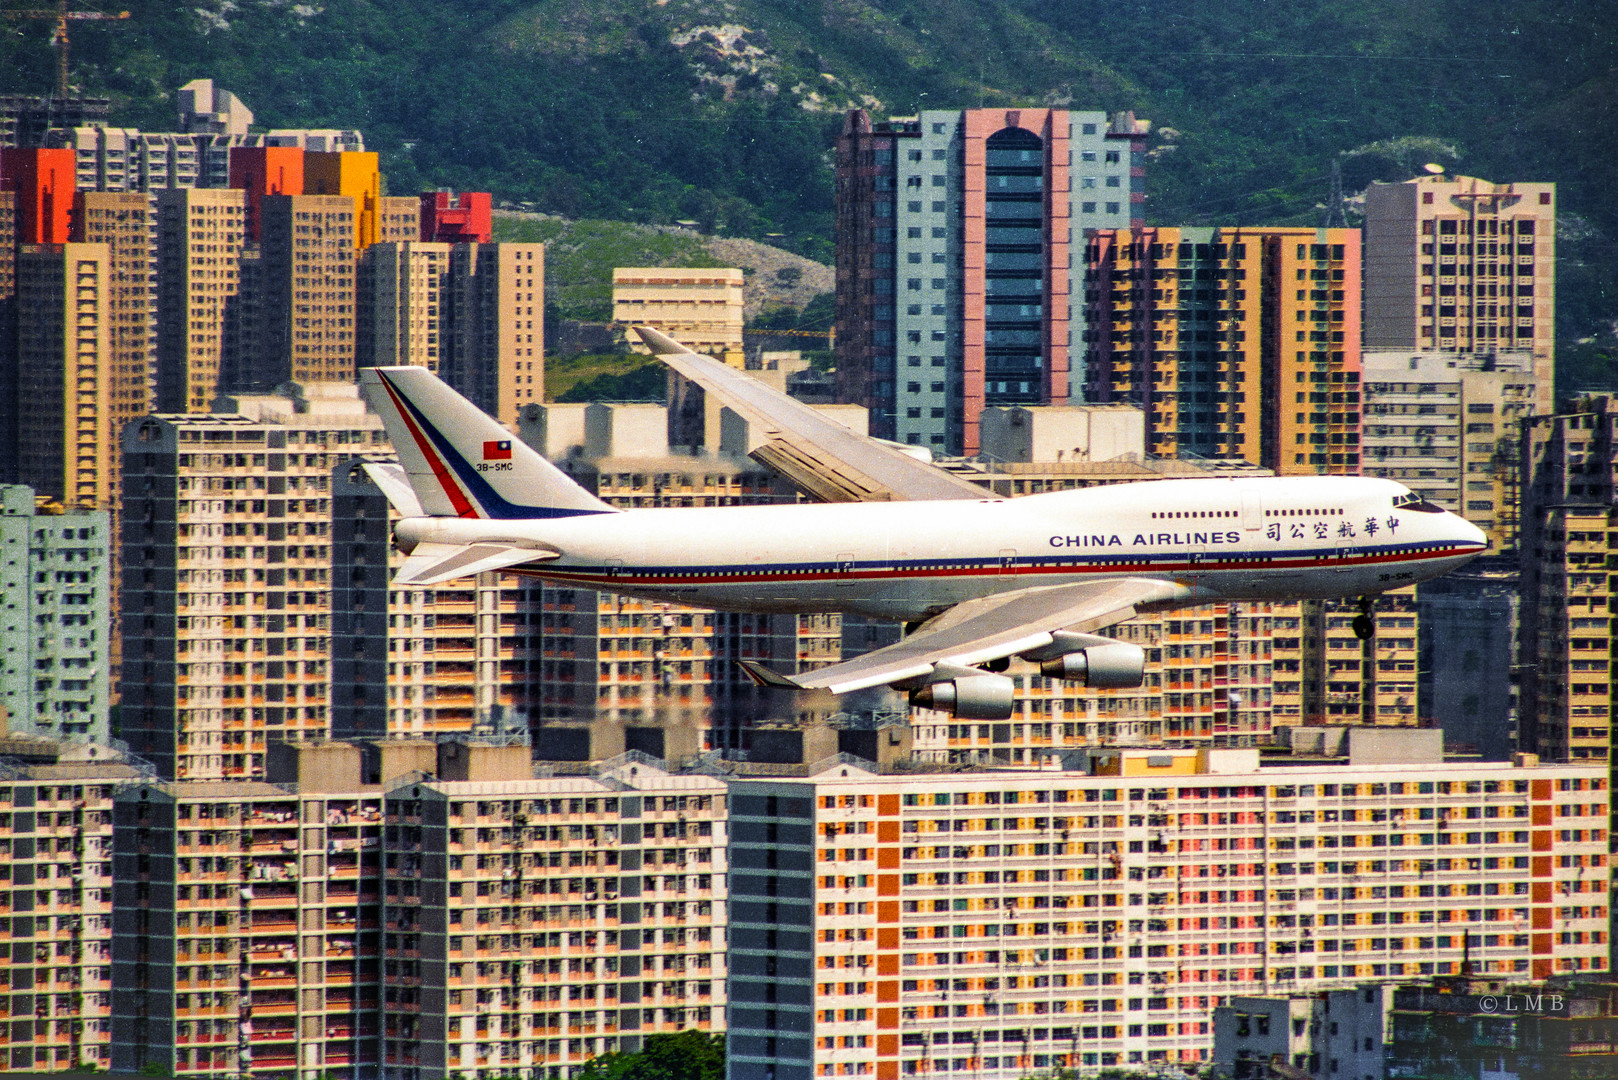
[{"x": 1235, "y": 342}]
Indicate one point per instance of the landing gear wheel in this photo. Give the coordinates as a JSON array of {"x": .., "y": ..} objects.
[{"x": 1363, "y": 626}]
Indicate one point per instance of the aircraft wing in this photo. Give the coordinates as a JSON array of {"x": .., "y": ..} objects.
[
  {"x": 986, "y": 629},
  {"x": 869, "y": 468}
]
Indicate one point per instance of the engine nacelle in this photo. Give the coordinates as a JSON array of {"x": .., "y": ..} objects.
[
  {"x": 1098, "y": 662},
  {"x": 978, "y": 696}
]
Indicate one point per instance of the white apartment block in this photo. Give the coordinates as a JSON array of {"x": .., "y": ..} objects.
[
  {"x": 226, "y": 582},
  {"x": 699, "y": 308},
  {"x": 1446, "y": 425},
  {"x": 1333, "y": 1035},
  {"x": 1459, "y": 264},
  {"x": 533, "y": 924},
  {"x": 128, "y": 159},
  {"x": 996, "y": 924}
]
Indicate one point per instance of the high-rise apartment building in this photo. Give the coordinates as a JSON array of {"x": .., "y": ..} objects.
[
  {"x": 261, "y": 171},
  {"x": 1458, "y": 264},
  {"x": 955, "y": 234},
  {"x": 8, "y": 328},
  {"x": 398, "y": 219},
  {"x": 1237, "y": 342},
  {"x": 401, "y": 305},
  {"x": 538, "y": 923},
  {"x": 205, "y": 107},
  {"x": 55, "y": 629},
  {"x": 65, "y": 377},
  {"x": 465, "y": 217},
  {"x": 1467, "y": 667},
  {"x": 226, "y": 595},
  {"x": 213, "y": 123},
  {"x": 1568, "y": 543},
  {"x": 247, "y": 941},
  {"x": 458, "y": 657},
  {"x": 1207, "y": 682},
  {"x": 352, "y": 175},
  {"x": 619, "y": 673},
  {"x": 1448, "y": 426},
  {"x": 42, "y": 183},
  {"x": 997, "y": 924},
  {"x": 56, "y": 800},
  {"x": 700, "y": 307},
  {"x": 305, "y": 292},
  {"x": 123, "y": 221},
  {"x": 464, "y": 311},
  {"x": 497, "y": 332},
  {"x": 128, "y": 159},
  {"x": 201, "y": 233},
  {"x": 1326, "y": 674}
]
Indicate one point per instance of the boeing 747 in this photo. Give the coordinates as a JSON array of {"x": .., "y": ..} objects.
[{"x": 979, "y": 579}]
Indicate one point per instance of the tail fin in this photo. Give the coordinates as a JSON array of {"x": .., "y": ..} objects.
[{"x": 462, "y": 463}]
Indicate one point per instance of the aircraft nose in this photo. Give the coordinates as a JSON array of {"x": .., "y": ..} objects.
[{"x": 1468, "y": 533}]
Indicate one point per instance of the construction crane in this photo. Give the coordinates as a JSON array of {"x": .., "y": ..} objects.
[
  {"x": 824, "y": 334},
  {"x": 62, "y": 17}
]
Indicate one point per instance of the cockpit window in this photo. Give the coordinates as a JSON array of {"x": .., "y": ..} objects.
[{"x": 1411, "y": 501}]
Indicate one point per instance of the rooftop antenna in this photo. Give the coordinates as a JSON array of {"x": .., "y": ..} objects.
[{"x": 1336, "y": 216}]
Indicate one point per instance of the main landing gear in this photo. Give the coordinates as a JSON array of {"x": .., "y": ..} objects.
[{"x": 1363, "y": 625}]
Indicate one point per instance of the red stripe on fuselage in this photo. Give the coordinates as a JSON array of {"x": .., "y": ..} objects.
[
  {"x": 463, "y": 507},
  {"x": 588, "y": 577}
]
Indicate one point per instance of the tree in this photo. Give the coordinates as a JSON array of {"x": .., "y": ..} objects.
[{"x": 690, "y": 1055}]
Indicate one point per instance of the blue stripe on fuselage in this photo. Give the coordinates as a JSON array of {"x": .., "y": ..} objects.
[{"x": 1161, "y": 563}]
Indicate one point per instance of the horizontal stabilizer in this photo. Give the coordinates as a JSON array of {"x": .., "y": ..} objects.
[
  {"x": 760, "y": 675},
  {"x": 394, "y": 483},
  {"x": 430, "y": 564}
]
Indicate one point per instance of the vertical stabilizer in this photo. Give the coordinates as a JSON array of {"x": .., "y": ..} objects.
[{"x": 460, "y": 461}]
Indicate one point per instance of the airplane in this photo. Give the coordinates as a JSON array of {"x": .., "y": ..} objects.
[{"x": 976, "y": 578}]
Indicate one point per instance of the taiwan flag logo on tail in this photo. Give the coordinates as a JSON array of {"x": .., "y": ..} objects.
[{"x": 497, "y": 450}]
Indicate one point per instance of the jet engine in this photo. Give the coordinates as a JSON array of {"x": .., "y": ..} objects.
[
  {"x": 1097, "y": 662},
  {"x": 966, "y": 693}
]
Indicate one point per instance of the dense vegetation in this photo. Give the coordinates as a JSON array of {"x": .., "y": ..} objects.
[
  {"x": 690, "y": 1055},
  {"x": 580, "y": 257},
  {"x": 615, "y": 109}
]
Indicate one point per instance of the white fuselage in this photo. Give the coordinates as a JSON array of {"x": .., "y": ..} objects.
[{"x": 1281, "y": 538}]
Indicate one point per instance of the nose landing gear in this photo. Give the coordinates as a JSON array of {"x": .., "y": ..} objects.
[{"x": 1364, "y": 626}]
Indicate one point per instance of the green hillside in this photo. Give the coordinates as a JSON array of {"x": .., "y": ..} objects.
[{"x": 723, "y": 111}]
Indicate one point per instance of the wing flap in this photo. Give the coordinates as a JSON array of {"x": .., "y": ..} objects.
[
  {"x": 431, "y": 564},
  {"x": 991, "y": 628},
  {"x": 852, "y": 462}
]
